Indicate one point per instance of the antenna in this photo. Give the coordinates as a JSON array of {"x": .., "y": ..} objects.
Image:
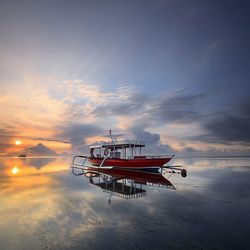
[{"x": 110, "y": 134}]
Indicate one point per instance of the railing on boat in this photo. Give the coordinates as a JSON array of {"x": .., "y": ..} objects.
[
  {"x": 159, "y": 156},
  {"x": 126, "y": 196},
  {"x": 150, "y": 156},
  {"x": 160, "y": 185},
  {"x": 134, "y": 142}
]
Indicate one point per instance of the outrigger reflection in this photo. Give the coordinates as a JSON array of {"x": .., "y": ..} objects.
[
  {"x": 126, "y": 155},
  {"x": 127, "y": 184}
]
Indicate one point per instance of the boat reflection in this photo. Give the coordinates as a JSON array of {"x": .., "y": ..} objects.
[{"x": 123, "y": 183}]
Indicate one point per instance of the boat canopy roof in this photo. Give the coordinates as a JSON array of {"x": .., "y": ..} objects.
[{"x": 121, "y": 145}]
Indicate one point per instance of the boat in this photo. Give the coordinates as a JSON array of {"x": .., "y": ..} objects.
[{"x": 125, "y": 154}]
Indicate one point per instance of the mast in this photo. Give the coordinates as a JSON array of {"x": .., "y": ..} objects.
[{"x": 110, "y": 134}]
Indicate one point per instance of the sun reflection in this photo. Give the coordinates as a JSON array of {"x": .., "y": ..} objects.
[
  {"x": 17, "y": 142},
  {"x": 15, "y": 170}
]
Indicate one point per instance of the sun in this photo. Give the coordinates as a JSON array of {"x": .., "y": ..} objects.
[
  {"x": 15, "y": 170},
  {"x": 17, "y": 142}
]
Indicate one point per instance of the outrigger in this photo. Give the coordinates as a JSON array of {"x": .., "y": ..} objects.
[{"x": 125, "y": 155}]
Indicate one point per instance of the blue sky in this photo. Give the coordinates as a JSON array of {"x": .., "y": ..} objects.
[{"x": 173, "y": 73}]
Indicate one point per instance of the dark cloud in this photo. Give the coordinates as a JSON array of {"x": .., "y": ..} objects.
[
  {"x": 228, "y": 127},
  {"x": 179, "y": 108},
  {"x": 39, "y": 149}
]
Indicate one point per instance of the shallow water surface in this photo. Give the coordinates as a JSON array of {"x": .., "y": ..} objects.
[{"x": 44, "y": 206}]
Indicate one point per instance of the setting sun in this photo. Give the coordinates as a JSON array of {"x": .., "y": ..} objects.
[
  {"x": 15, "y": 170},
  {"x": 17, "y": 142}
]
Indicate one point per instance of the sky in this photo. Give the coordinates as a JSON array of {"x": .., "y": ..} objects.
[{"x": 174, "y": 74}]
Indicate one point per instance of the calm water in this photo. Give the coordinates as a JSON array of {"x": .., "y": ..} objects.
[{"x": 44, "y": 206}]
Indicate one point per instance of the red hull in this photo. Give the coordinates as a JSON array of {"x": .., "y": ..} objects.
[{"x": 131, "y": 163}]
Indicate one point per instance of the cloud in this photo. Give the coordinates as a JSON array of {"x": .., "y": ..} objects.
[
  {"x": 228, "y": 127},
  {"x": 125, "y": 101},
  {"x": 178, "y": 108},
  {"x": 30, "y": 107},
  {"x": 7, "y": 135},
  {"x": 152, "y": 140},
  {"x": 77, "y": 133},
  {"x": 82, "y": 113},
  {"x": 50, "y": 140},
  {"x": 39, "y": 149},
  {"x": 72, "y": 90},
  {"x": 81, "y": 98},
  {"x": 212, "y": 151},
  {"x": 131, "y": 108}
]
